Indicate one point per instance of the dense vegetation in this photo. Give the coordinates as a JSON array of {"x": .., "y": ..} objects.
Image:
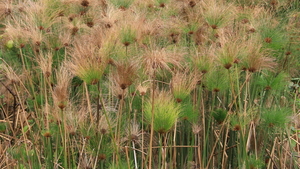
[{"x": 149, "y": 84}]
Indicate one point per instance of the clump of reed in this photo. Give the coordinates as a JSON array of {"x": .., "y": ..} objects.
[{"x": 149, "y": 84}]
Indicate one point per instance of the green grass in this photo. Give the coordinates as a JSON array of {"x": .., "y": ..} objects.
[{"x": 149, "y": 84}]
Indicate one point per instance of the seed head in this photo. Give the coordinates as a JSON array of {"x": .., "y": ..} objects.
[
  {"x": 133, "y": 134},
  {"x": 251, "y": 30},
  {"x": 192, "y": 4},
  {"x": 74, "y": 30},
  {"x": 236, "y": 61},
  {"x": 108, "y": 25},
  {"x": 216, "y": 90},
  {"x": 85, "y": 3},
  {"x": 273, "y": 2},
  {"x": 237, "y": 127},
  {"x": 60, "y": 91},
  {"x": 61, "y": 13},
  {"x": 268, "y": 40},
  {"x": 125, "y": 73},
  {"x": 182, "y": 83},
  {"x": 56, "y": 48},
  {"x": 268, "y": 88},
  {"x": 101, "y": 157},
  {"x": 122, "y": 8},
  {"x": 162, "y": 5},
  {"x": 271, "y": 125},
  {"x": 142, "y": 89},
  {"x": 133, "y": 137},
  {"x": 38, "y": 43},
  {"x": 111, "y": 62},
  {"x": 72, "y": 133},
  {"x": 128, "y": 35},
  {"x": 216, "y": 35},
  {"x": 288, "y": 53},
  {"x": 90, "y": 24},
  {"x": 252, "y": 69},
  {"x": 47, "y": 134},
  {"x": 227, "y": 65},
  {"x": 201, "y": 35},
  {"x": 214, "y": 26},
  {"x": 244, "y": 21},
  {"x": 62, "y": 105},
  {"x": 71, "y": 17},
  {"x": 7, "y": 11},
  {"x": 103, "y": 126},
  {"x": 126, "y": 43},
  {"x": 196, "y": 128},
  {"x": 178, "y": 100},
  {"x": 22, "y": 45},
  {"x": 103, "y": 131},
  {"x": 41, "y": 28},
  {"x": 83, "y": 12},
  {"x": 174, "y": 37}
]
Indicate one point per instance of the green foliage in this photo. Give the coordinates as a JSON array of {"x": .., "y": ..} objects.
[
  {"x": 275, "y": 118},
  {"x": 217, "y": 15},
  {"x": 253, "y": 162},
  {"x": 121, "y": 165},
  {"x": 219, "y": 74},
  {"x": 219, "y": 115},
  {"x": 91, "y": 75},
  {"x": 25, "y": 156},
  {"x": 165, "y": 113},
  {"x": 128, "y": 36},
  {"x": 10, "y": 44},
  {"x": 122, "y": 4},
  {"x": 3, "y": 127},
  {"x": 216, "y": 80},
  {"x": 273, "y": 37},
  {"x": 188, "y": 112},
  {"x": 271, "y": 81},
  {"x": 161, "y": 3}
]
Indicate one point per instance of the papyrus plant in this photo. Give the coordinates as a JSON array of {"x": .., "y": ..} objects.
[
  {"x": 166, "y": 112},
  {"x": 87, "y": 62}
]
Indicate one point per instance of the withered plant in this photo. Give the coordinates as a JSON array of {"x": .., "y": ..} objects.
[{"x": 149, "y": 84}]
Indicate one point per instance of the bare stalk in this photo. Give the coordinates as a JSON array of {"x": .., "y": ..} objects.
[
  {"x": 134, "y": 155},
  {"x": 88, "y": 101},
  {"x": 152, "y": 122}
]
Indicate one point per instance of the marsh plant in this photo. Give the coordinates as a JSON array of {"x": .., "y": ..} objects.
[{"x": 149, "y": 84}]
